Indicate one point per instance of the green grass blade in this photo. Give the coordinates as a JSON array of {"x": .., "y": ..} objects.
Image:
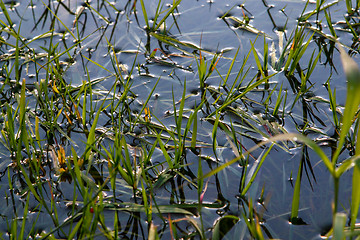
[
  {"x": 97, "y": 64},
  {"x": 75, "y": 229},
  {"x": 223, "y": 226},
  {"x": 333, "y": 105},
  {"x": 213, "y": 134},
  {"x": 352, "y": 72},
  {"x": 5, "y": 12},
  {"x": 296, "y": 196},
  {"x": 145, "y": 14},
  {"x": 146, "y": 102},
  {"x": 194, "y": 131},
  {"x": 242, "y": 94},
  {"x": 281, "y": 137},
  {"x": 330, "y": 25},
  {"x": 174, "y": 5},
  {"x": 166, "y": 155},
  {"x": 354, "y": 33},
  {"x": 181, "y": 110},
  {"x": 153, "y": 235},
  {"x": 355, "y": 195},
  {"x": 278, "y": 101},
  {"x": 64, "y": 25},
  {"x": 257, "y": 60},
  {"x": 91, "y": 137},
  {"x": 133, "y": 207},
  {"x": 24, "y": 218},
  {"x": 259, "y": 164},
  {"x": 339, "y": 225},
  {"x": 231, "y": 67}
]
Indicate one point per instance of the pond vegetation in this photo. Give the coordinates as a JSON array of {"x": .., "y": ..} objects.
[{"x": 179, "y": 119}]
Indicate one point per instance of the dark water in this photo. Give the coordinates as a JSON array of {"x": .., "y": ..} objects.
[{"x": 198, "y": 23}]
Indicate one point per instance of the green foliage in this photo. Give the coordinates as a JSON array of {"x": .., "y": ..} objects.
[{"x": 136, "y": 170}]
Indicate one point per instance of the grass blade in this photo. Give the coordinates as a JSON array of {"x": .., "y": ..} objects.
[
  {"x": 339, "y": 225},
  {"x": 145, "y": 14},
  {"x": 352, "y": 72}
]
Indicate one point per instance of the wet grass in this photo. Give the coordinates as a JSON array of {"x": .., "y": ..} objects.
[{"x": 85, "y": 154}]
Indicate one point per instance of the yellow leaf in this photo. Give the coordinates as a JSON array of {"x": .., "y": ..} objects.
[
  {"x": 55, "y": 88},
  {"x": 61, "y": 156},
  {"x": 147, "y": 114},
  {"x": 67, "y": 117},
  {"x": 77, "y": 112}
]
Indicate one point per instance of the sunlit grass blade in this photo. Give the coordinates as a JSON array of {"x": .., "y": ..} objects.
[
  {"x": 333, "y": 105},
  {"x": 281, "y": 137},
  {"x": 194, "y": 131},
  {"x": 298, "y": 53},
  {"x": 355, "y": 195},
  {"x": 246, "y": 26},
  {"x": 5, "y": 12},
  {"x": 181, "y": 110},
  {"x": 231, "y": 67},
  {"x": 91, "y": 137},
  {"x": 97, "y": 64},
  {"x": 76, "y": 229},
  {"x": 296, "y": 194},
  {"x": 145, "y": 14},
  {"x": 213, "y": 134},
  {"x": 257, "y": 60},
  {"x": 253, "y": 173},
  {"x": 330, "y": 25},
  {"x": 153, "y": 235},
  {"x": 169, "y": 11},
  {"x": 278, "y": 101},
  {"x": 252, "y": 222},
  {"x": 249, "y": 88},
  {"x": 176, "y": 44},
  {"x": 352, "y": 72},
  {"x": 100, "y": 15},
  {"x": 223, "y": 226},
  {"x": 354, "y": 33},
  {"x": 306, "y": 16},
  {"x": 339, "y": 225},
  {"x": 146, "y": 102},
  {"x": 22, "y": 230},
  {"x": 64, "y": 25},
  {"x": 166, "y": 155},
  {"x": 164, "y": 209}
]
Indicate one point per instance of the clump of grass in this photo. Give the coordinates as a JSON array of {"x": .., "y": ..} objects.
[
  {"x": 351, "y": 9},
  {"x": 118, "y": 171},
  {"x": 349, "y": 117}
]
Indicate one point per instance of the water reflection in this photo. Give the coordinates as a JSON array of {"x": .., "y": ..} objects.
[{"x": 173, "y": 95}]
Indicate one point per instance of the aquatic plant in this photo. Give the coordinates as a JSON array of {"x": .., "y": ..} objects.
[{"x": 118, "y": 121}]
